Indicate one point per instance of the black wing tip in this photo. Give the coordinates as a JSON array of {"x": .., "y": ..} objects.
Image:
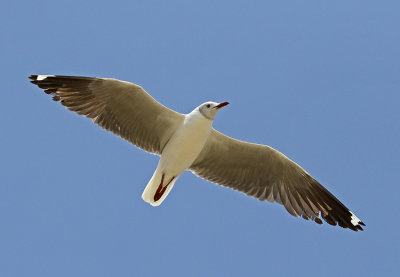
[
  {"x": 332, "y": 222},
  {"x": 50, "y": 83},
  {"x": 358, "y": 226},
  {"x": 35, "y": 77},
  {"x": 355, "y": 227}
]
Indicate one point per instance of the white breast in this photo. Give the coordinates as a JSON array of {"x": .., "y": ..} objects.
[{"x": 186, "y": 144}]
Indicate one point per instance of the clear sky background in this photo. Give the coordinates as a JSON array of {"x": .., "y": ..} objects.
[{"x": 317, "y": 80}]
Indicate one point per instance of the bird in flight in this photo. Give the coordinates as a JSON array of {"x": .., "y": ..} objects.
[{"x": 189, "y": 142}]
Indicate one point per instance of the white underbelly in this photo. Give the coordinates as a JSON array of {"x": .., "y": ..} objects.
[{"x": 184, "y": 146}]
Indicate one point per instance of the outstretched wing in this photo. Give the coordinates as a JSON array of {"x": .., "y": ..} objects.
[
  {"x": 121, "y": 107},
  {"x": 265, "y": 173}
]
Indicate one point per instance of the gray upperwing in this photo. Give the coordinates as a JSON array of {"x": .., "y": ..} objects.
[
  {"x": 121, "y": 107},
  {"x": 265, "y": 173}
]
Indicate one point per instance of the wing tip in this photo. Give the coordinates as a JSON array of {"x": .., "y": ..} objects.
[
  {"x": 33, "y": 79},
  {"x": 36, "y": 78},
  {"x": 356, "y": 222}
]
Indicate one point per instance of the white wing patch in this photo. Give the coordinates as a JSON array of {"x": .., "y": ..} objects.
[
  {"x": 354, "y": 220},
  {"x": 42, "y": 77}
]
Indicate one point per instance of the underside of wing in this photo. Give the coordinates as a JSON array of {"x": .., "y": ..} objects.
[
  {"x": 118, "y": 106},
  {"x": 266, "y": 174}
]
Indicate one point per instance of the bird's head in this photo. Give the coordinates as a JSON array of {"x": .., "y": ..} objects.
[{"x": 210, "y": 109}]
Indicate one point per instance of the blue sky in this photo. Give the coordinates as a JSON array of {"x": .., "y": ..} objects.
[{"x": 317, "y": 80}]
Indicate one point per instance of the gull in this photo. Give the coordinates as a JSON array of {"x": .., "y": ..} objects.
[{"x": 189, "y": 142}]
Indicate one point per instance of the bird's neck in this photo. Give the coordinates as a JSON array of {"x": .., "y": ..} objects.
[{"x": 196, "y": 118}]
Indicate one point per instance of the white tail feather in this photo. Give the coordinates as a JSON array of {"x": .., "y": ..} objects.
[{"x": 153, "y": 185}]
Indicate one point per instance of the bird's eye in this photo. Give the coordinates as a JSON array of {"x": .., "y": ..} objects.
[{"x": 208, "y": 105}]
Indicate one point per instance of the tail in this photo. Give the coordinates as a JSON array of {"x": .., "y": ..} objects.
[{"x": 158, "y": 188}]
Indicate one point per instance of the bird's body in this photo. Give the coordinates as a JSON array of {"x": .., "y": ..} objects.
[
  {"x": 188, "y": 142},
  {"x": 178, "y": 155}
]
